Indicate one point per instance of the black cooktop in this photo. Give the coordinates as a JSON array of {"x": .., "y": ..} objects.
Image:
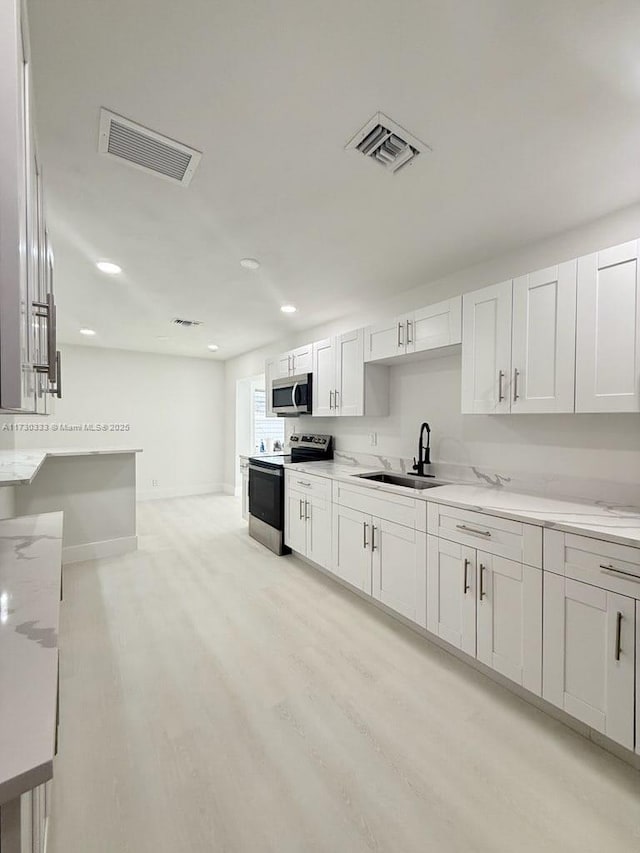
[{"x": 276, "y": 460}]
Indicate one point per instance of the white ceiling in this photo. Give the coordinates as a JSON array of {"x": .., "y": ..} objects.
[{"x": 532, "y": 110}]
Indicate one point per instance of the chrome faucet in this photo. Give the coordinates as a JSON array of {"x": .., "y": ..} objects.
[{"x": 424, "y": 453}]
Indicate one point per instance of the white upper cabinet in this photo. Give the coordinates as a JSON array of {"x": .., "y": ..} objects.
[
  {"x": 608, "y": 331},
  {"x": 386, "y": 339},
  {"x": 341, "y": 384},
  {"x": 299, "y": 360},
  {"x": 427, "y": 328},
  {"x": 324, "y": 377},
  {"x": 543, "y": 345},
  {"x": 438, "y": 325},
  {"x": 350, "y": 390},
  {"x": 486, "y": 349}
]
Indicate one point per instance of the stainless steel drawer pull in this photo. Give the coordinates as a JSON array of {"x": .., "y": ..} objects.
[
  {"x": 465, "y": 582},
  {"x": 473, "y": 530},
  {"x": 303, "y": 483},
  {"x": 365, "y": 544},
  {"x": 615, "y": 571},
  {"x": 618, "y": 635}
]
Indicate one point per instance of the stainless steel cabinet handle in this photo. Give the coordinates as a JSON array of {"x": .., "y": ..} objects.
[
  {"x": 58, "y": 387},
  {"x": 47, "y": 311},
  {"x": 500, "y": 381},
  {"x": 465, "y": 583},
  {"x": 401, "y": 335},
  {"x": 373, "y": 537},
  {"x": 365, "y": 544},
  {"x": 335, "y": 397},
  {"x": 307, "y": 516},
  {"x": 618, "y": 635},
  {"x": 300, "y": 502},
  {"x": 615, "y": 571},
  {"x": 473, "y": 530},
  {"x": 409, "y": 329},
  {"x": 399, "y": 341},
  {"x": 481, "y": 592},
  {"x": 516, "y": 373},
  {"x": 331, "y": 399}
]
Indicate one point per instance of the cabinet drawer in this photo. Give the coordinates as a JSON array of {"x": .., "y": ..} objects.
[
  {"x": 308, "y": 484},
  {"x": 603, "y": 564},
  {"x": 398, "y": 508},
  {"x": 500, "y": 536}
]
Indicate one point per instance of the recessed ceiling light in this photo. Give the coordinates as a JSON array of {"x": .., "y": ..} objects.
[
  {"x": 250, "y": 263},
  {"x": 288, "y": 309},
  {"x": 108, "y": 267},
  {"x": 88, "y": 332},
  {"x": 213, "y": 347}
]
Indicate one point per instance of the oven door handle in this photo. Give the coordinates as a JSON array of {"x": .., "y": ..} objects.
[{"x": 272, "y": 472}]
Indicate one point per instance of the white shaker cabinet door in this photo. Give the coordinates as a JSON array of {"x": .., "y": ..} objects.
[
  {"x": 608, "y": 331},
  {"x": 324, "y": 378},
  {"x": 302, "y": 360},
  {"x": 386, "y": 339},
  {"x": 350, "y": 373},
  {"x": 295, "y": 525},
  {"x": 509, "y": 621},
  {"x": 544, "y": 339},
  {"x": 589, "y": 655},
  {"x": 400, "y": 569},
  {"x": 451, "y": 593},
  {"x": 283, "y": 365},
  {"x": 319, "y": 532},
  {"x": 438, "y": 325},
  {"x": 486, "y": 350},
  {"x": 352, "y": 547}
]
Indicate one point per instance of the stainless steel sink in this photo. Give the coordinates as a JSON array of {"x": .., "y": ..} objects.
[{"x": 407, "y": 480}]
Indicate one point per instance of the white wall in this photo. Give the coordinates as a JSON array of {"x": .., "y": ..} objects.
[
  {"x": 581, "y": 446},
  {"x": 172, "y": 404}
]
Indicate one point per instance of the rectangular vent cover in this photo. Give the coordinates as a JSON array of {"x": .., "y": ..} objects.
[
  {"x": 145, "y": 149},
  {"x": 387, "y": 143},
  {"x": 186, "y": 324}
]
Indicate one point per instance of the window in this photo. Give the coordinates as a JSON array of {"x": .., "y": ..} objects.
[{"x": 268, "y": 433}]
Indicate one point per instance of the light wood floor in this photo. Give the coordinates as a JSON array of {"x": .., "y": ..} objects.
[{"x": 215, "y": 697}]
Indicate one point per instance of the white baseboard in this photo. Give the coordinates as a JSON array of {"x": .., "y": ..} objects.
[
  {"x": 180, "y": 491},
  {"x": 96, "y": 550}
]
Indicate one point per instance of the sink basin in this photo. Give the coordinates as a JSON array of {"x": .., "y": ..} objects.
[{"x": 407, "y": 480}]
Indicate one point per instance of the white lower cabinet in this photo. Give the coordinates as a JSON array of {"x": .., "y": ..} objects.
[
  {"x": 451, "y": 595},
  {"x": 307, "y": 526},
  {"x": 351, "y": 547},
  {"x": 589, "y": 655},
  {"x": 489, "y": 607},
  {"x": 383, "y": 559},
  {"x": 400, "y": 569},
  {"x": 244, "y": 472}
]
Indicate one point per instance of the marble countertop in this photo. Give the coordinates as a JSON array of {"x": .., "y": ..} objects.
[
  {"x": 597, "y": 520},
  {"x": 30, "y": 567},
  {"x": 19, "y": 467}
]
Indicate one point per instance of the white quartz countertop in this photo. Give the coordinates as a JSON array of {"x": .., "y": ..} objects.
[
  {"x": 19, "y": 467},
  {"x": 597, "y": 520},
  {"x": 30, "y": 566}
]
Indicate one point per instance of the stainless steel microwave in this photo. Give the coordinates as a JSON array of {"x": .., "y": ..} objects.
[{"x": 291, "y": 395}]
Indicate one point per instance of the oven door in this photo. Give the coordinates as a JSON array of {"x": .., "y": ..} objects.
[
  {"x": 266, "y": 495},
  {"x": 291, "y": 396}
]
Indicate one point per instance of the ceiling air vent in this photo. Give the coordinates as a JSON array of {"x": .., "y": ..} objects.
[
  {"x": 145, "y": 149},
  {"x": 387, "y": 143},
  {"x": 186, "y": 324}
]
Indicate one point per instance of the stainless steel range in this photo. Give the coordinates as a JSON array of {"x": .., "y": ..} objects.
[{"x": 266, "y": 487}]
